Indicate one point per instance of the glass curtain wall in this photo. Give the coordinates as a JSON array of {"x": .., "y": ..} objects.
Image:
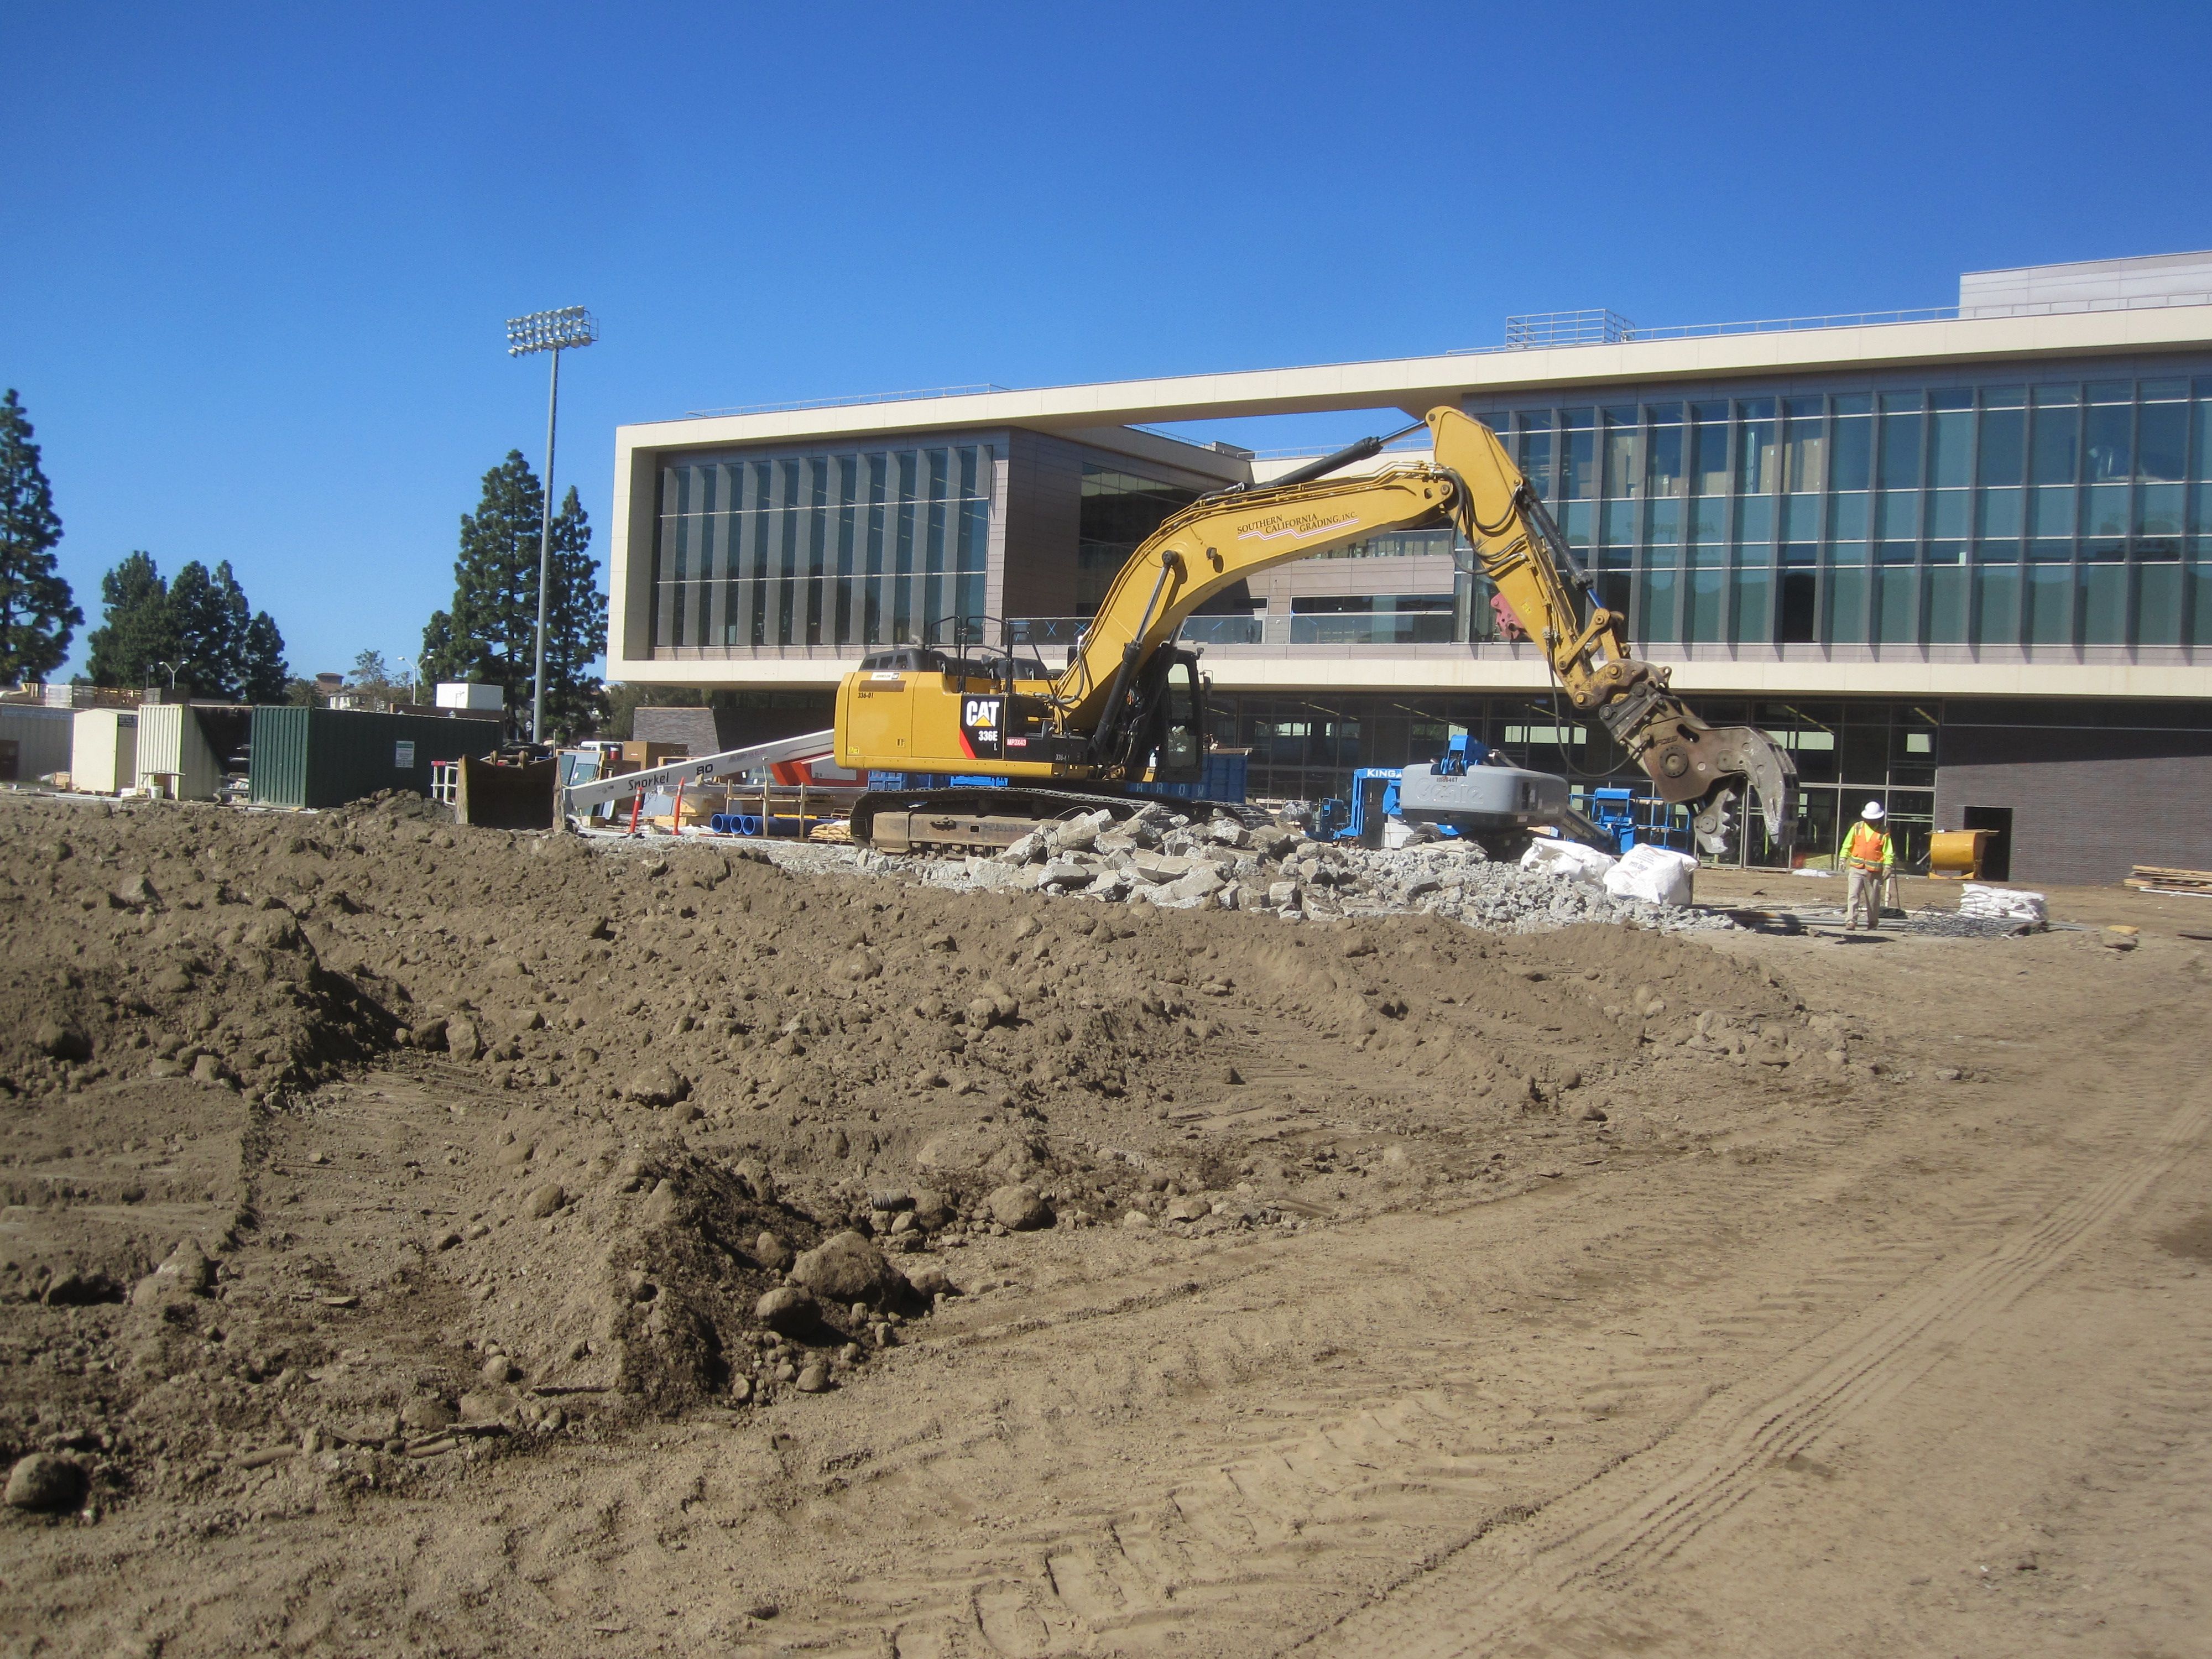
[
  {"x": 1399, "y": 544},
  {"x": 1371, "y": 619},
  {"x": 862, "y": 549},
  {"x": 2054, "y": 513},
  {"x": 1120, "y": 509}
]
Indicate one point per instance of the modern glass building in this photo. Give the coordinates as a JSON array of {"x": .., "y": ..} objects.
[
  {"x": 1908, "y": 543},
  {"x": 1980, "y": 512},
  {"x": 868, "y": 547}
]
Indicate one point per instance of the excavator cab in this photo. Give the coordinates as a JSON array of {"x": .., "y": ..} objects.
[
  {"x": 1162, "y": 729},
  {"x": 1180, "y": 754}
]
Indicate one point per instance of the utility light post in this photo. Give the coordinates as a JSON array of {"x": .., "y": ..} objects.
[{"x": 555, "y": 331}]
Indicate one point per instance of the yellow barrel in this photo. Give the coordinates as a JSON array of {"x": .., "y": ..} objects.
[{"x": 1956, "y": 854}]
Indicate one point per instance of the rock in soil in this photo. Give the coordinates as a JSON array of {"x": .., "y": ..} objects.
[
  {"x": 785, "y": 1308},
  {"x": 931, "y": 1211},
  {"x": 1018, "y": 1207},
  {"x": 426, "y": 1412},
  {"x": 44, "y": 1484},
  {"x": 844, "y": 1267},
  {"x": 657, "y": 1084},
  {"x": 928, "y": 1280}
]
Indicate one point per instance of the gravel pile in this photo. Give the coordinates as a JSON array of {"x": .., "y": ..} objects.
[
  {"x": 1942, "y": 924},
  {"x": 1164, "y": 858}
]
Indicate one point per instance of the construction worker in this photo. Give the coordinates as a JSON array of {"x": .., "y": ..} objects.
[{"x": 1871, "y": 856}]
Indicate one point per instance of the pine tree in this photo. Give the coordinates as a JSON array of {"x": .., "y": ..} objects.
[
  {"x": 208, "y": 609},
  {"x": 38, "y": 614},
  {"x": 575, "y": 620},
  {"x": 489, "y": 634},
  {"x": 263, "y": 675},
  {"x": 443, "y": 657},
  {"x": 137, "y": 634}
]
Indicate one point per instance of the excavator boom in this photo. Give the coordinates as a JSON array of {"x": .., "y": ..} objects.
[{"x": 1522, "y": 554}]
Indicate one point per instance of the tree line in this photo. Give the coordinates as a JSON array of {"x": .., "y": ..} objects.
[
  {"x": 193, "y": 633},
  {"x": 198, "y": 631}
]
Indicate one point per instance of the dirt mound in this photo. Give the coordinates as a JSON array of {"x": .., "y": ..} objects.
[
  {"x": 493, "y": 1136},
  {"x": 179, "y": 954}
]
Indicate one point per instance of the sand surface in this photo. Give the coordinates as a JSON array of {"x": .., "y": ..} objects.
[{"x": 1745, "y": 1292}]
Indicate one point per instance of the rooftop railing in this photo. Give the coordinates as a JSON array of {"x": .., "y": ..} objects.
[
  {"x": 1548, "y": 329},
  {"x": 1538, "y": 329}
]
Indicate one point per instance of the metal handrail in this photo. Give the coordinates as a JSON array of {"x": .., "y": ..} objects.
[{"x": 1598, "y": 326}]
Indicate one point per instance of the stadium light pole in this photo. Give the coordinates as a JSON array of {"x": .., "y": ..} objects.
[{"x": 565, "y": 330}]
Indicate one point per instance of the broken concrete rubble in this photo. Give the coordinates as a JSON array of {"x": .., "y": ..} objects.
[{"x": 1251, "y": 863}]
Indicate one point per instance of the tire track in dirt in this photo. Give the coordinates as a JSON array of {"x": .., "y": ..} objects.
[
  {"x": 1333, "y": 1512},
  {"x": 1640, "y": 1512},
  {"x": 2144, "y": 1527}
]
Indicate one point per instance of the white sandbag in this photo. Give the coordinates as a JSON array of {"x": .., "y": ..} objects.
[
  {"x": 1570, "y": 858},
  {"x": 2001, "y": 904},
  {"x": 1653, "y": 874}
]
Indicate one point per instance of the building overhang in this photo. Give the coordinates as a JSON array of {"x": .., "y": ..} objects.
[
  {"x": 1418, "y": 671},
  {"x": 1417, "y": 384},
  {"x": 1109, "y": 415}
]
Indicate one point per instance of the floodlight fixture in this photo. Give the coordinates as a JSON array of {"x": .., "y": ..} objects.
[
  {"x": 564, "y": 329},
  {"x": 557, "y": 331}
]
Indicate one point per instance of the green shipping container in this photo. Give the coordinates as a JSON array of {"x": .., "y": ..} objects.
[{"x": 328, "y": 756}]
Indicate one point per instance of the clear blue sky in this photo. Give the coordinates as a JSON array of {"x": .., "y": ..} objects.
[{"x": 256, "y": 260}]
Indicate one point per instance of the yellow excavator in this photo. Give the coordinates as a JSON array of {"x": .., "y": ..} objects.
[{"x": 1128, "y": 710}]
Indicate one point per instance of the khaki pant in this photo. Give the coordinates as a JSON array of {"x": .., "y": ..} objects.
[{"x": 1866, "y": 894}]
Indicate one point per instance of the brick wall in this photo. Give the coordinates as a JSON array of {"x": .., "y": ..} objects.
[
  {"x": 2087, "y": 803},
  {"x": 754, "y": 717}
]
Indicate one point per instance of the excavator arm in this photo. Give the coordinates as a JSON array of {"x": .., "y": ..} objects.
[
  {"x": 1212, "y": 545},
  {"x": 1473, "y": 485},
  {"x": 1526, "y": 559}
]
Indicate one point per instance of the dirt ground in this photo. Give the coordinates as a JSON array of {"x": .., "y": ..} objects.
[{"x": 390, "y": 1212}]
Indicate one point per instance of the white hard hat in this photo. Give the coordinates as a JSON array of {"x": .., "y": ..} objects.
[{"x": 1873, "y": 812}]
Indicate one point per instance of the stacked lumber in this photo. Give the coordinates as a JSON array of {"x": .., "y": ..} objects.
[{"x": 2156, "y": 879}]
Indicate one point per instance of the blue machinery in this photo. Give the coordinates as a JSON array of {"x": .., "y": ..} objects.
[
  {"x": 1470, "y": 790},
  {"x": 1375, "y": 794},
  {"x": 1374, "y": 802},
  {"x": 1628, "y": 817}
]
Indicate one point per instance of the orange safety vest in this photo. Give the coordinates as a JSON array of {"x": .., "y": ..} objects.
[{"x": 1867, "y": 847}]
